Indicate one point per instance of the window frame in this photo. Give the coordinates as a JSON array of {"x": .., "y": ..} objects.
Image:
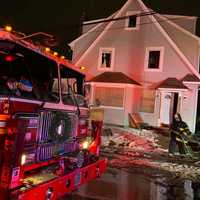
[
  {"x": 161, "y": 59},
  {"x": 104, "y": 49},
  {"x": 137, "y": 20},
  {"x": 110, "y": 86}
]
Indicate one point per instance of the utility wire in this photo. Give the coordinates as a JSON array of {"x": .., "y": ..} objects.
[
  {"x": 77, "y": 26},
  {"x": 123, "y": 27},
  {"x": 121, "y": 18},
  {"x": 144, "y": 23}
]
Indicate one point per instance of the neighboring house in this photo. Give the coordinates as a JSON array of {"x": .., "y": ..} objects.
[{"x": 147, "y": 63}]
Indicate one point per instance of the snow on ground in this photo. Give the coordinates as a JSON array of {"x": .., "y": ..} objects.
[
  {"x": 132, "y": 139},
  {"x": 127, "y": 147}
]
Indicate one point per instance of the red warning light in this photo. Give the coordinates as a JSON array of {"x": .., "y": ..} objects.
[{"x": 9, "y": 58}]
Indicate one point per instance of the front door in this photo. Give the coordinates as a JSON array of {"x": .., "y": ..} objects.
[{"x": 169, "y": 105}]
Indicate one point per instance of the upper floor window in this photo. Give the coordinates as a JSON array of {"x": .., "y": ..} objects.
[
  {"x": 154, "y": 59},
  {"x": 106, "y": 59},
  {"x": 132, "y": 21}
]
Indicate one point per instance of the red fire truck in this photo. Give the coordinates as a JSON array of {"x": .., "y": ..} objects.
[{"x": 46, "y": 146}]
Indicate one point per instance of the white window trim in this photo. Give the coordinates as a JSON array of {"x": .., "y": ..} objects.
[
  {"x": 137, "y": 20},
  {"x": 101, "y": 50},
  {"x": 146, "y": 60}
]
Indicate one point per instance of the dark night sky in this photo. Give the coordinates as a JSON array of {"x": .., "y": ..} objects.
[{"x": 62, "y": 18}]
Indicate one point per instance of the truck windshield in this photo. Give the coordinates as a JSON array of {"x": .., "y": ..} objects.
[
  {"x": 72, "y": 86},
  {"x": 26, "y": 74}
]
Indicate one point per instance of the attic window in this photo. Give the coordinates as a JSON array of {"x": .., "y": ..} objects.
[
  {"x": 132, "y": 21},
  {"x": 106, "y": 59},
  {"x": 154, "y": 59}
]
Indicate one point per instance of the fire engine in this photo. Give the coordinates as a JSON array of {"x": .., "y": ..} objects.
[{"x": 47, "y": 148}]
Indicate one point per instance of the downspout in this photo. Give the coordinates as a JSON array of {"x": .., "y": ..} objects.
[{"x": 197, "y": 96}]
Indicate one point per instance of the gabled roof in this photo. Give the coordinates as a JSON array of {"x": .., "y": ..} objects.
[
  {"x": 93, "y": 29},
  {"x": 172, "y": 83},
  {"x": 180, "y": 16},
  {"x": 161, "y": 29},
  {"x": 190, "y": 78},
  {"x": 113, "y": 77},
  {"x": 171, "y": 42}
]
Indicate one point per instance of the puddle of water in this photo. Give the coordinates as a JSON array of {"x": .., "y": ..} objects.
[{"x": 123, "y": 185}]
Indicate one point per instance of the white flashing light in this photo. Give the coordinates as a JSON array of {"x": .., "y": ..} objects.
[
  {"x": 23, "y": 159},
  {"x": 60, "y": 129},
  {"x": 85, "y": 145}
]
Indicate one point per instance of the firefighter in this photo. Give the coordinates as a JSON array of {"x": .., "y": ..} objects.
[{"x": 179, "y": 135}]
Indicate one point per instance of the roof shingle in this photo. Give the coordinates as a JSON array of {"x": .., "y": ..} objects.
[
  {"x": 190, "y": 78},
  {"x": 113, "y": 77},
  {"x": 172, "y": 83}
]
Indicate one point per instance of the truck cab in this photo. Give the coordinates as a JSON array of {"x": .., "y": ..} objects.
[{"x": 46, "y": 148}]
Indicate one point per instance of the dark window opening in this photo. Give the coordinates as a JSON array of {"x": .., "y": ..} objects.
[
  {"x": 132, "y": 21},
  {"x": 154, "y": 60},
  {"x": 106, "y": 60},
  {"x": 175, "y": 103}
]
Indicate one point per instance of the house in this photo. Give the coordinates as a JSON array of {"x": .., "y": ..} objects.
[{"x": 139, "y": 61}]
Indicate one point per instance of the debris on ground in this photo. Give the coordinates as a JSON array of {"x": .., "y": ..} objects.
[{"x": 128, "y": 147}]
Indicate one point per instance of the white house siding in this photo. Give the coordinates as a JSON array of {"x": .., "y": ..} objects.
[
  {"x": 126, "y": 46},
  {"x": 132, "y": 102},
  {"x": 130, "y": 47},
  {"x": 81, "y": 45},
  {"x": 119, "y": 116},
  {"x": 87, "y": 27},
  {"x": 186, "y": 22},
  {"x": 130, "y": 52},
  {"x": 173, "y": 66},
  {"x": 187, "y": 44},
  {"x": 152, "y": 118},
  {"x": 113, "y": 116}
]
